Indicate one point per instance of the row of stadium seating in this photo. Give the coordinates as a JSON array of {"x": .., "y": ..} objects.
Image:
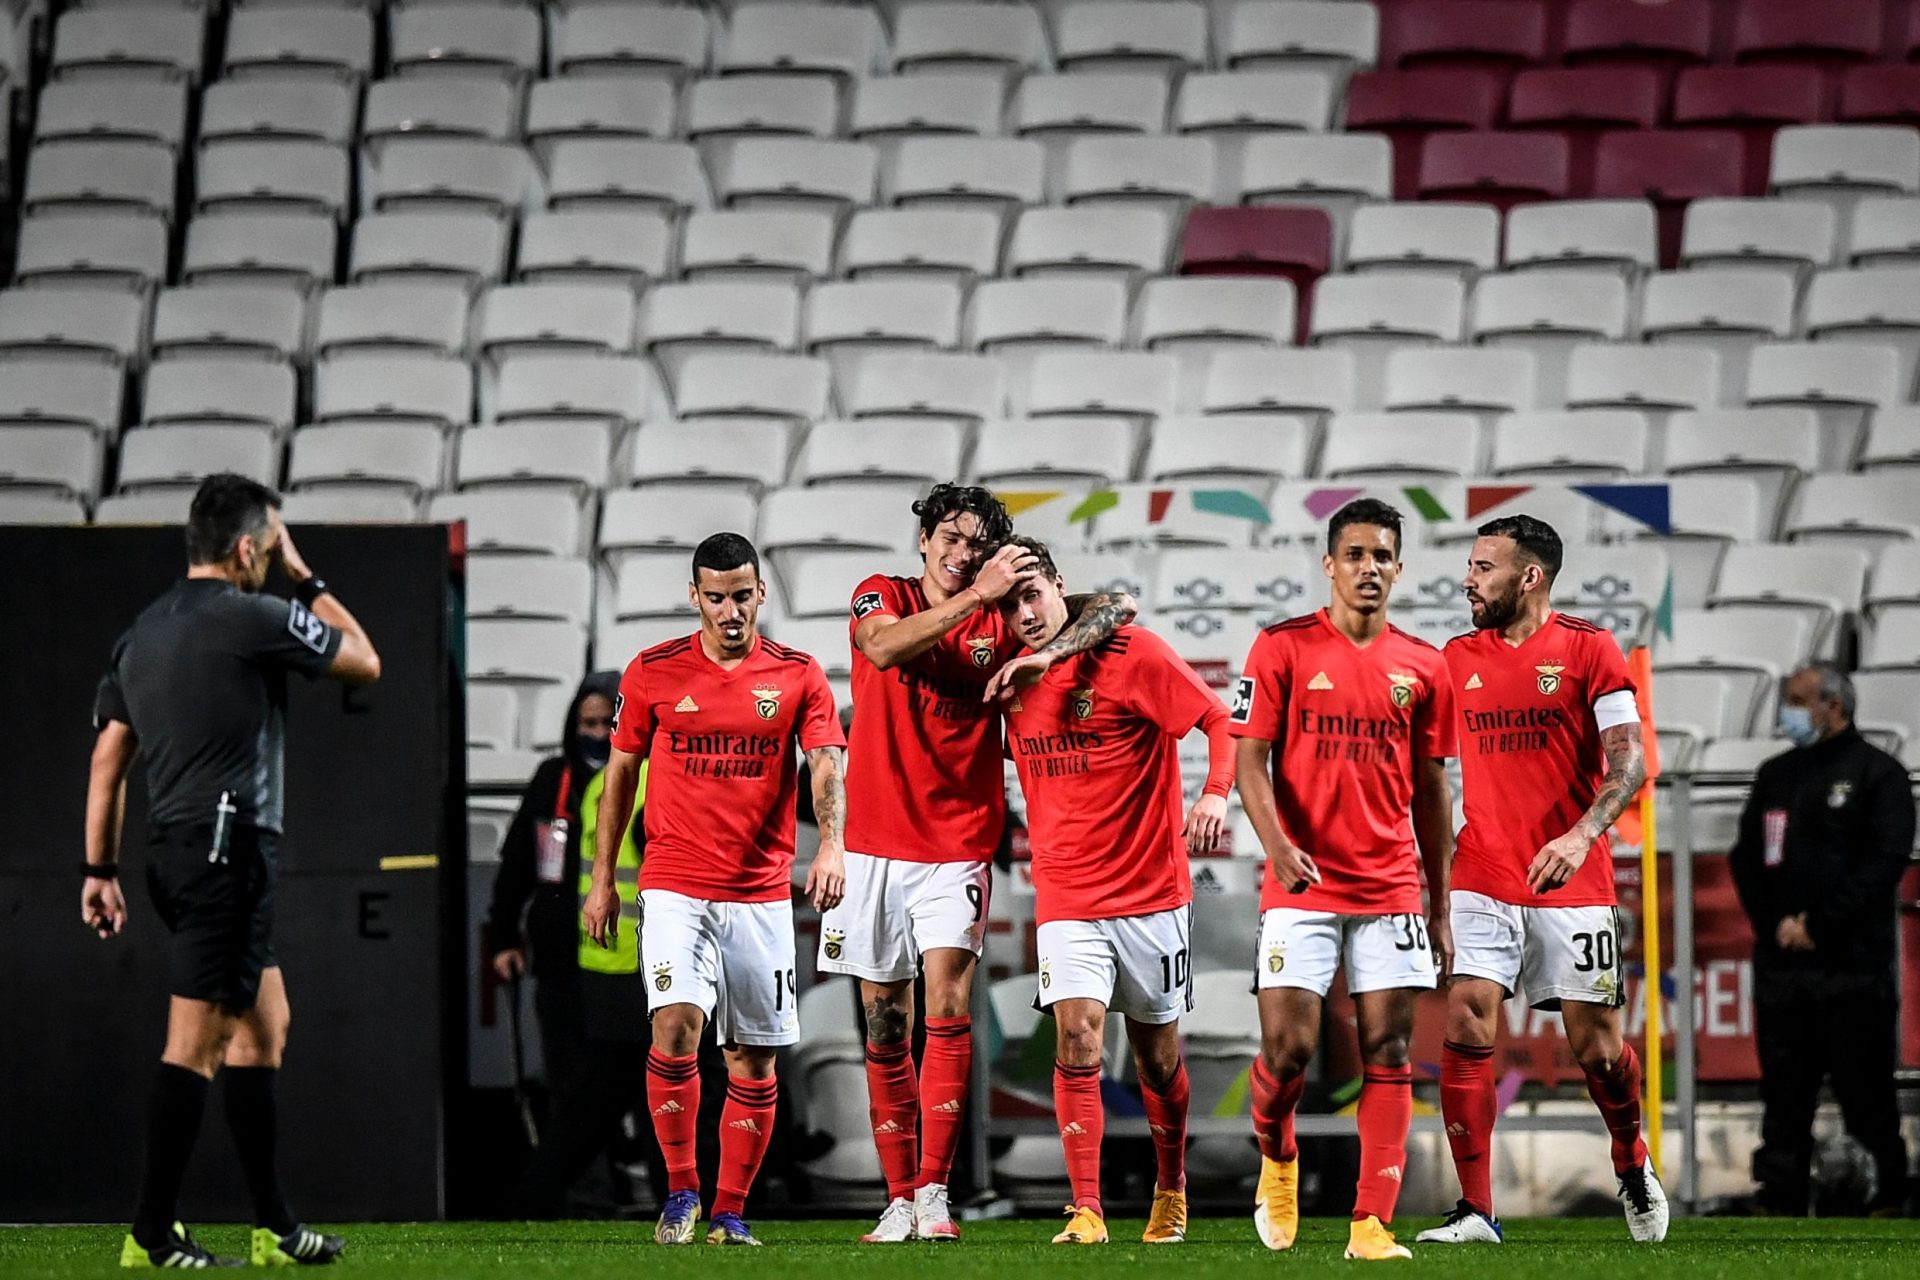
[
  {"x": 269, "y": 172},
  {"x": 1087, "y": 274},
  {"x": 1174, "y": 35}
]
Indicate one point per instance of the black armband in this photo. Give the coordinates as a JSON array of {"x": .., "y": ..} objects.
[
  {"x": 310, "y": 590},
  {"x": 100, "y": 870}
]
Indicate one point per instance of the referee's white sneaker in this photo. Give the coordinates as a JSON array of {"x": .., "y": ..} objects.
[
  {"x": 1645, "y": 1201},
  {"x": 932, "y": 1214},
  {"x": 1465, "y": 1225},
  {"x": 895, "y": 1225}
]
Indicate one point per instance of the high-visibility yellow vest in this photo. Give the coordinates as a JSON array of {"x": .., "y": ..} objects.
[{"x": 624, "y": 955}]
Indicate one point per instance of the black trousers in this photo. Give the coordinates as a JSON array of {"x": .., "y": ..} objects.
[{"x": 1818, "y": 1027}]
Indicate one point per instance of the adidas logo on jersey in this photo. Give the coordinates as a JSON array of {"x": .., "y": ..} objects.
[
  {"x": 1391, "y": 1171},
  {"x": 668, "y": 1108},
  {"x": 949, "y": 1107},
  {"x": 686, "y": 704},
  {"x": 887, "y": 1127},
  {"x": 1456, "y": 1130},
  {"x": 1320, "y": 682},
  {"x": 748, "y": 1125},
  {"x": 1072, "y": 1129},
  {"x": 1473, "y": 681}
]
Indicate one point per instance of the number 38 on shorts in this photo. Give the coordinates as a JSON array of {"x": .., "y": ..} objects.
[{"x": 1380, "y": 953}]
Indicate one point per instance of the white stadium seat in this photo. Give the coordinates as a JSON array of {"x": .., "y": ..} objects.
[
  {"x": 469, "y": 249},
  {"x": 407, "y": 455},
  {"x": 749, "y": 453},
  {"x": 1609, "y": 235},
  {"x": 665, "y": 41},
  {"x": 230, "y": 319},
  {"x": 180, "y": 457},
  {"x": 527, "y": 521},
  {"x": 1460, "y": 239}
]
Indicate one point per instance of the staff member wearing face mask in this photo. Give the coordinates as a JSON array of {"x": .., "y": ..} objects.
[
  {"x": 1826, "y": 833},
  {"x": 539, "y": 868}
]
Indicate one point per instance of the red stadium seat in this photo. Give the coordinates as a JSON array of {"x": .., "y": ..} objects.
[
  {"x": 1291, "y": 241},
  {"x": 1670, "y": 167},
  {"x": 1831, "y": 33},
  {"x": 1582, "y": 102},
  {"x": 1755, "y": 101},
  {"x": 1500, "y": 168},
  {"x": 1406, "y": 106},
  {"x": 1634, "y": 33},
  {"x": 1498, "y": 34},
  {"x": 1880, "y": 94}
]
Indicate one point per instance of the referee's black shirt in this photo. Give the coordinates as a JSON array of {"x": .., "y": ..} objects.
[{"x": 201, "y": 676}]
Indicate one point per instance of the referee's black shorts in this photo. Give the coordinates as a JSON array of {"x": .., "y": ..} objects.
[{"x": 219, "y": 913}]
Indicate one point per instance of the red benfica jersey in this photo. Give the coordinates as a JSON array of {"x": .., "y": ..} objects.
[
  {"x": 721, "y": 767},
  {"x": 923, "y": 763},
  {"x": 1095, "y": 741},
  {"x": 1530, "y": 757},
  {"x": 1348, "y": 724}
]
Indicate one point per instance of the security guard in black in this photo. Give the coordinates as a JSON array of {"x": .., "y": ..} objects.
[{"x": 1825, "y": 836}]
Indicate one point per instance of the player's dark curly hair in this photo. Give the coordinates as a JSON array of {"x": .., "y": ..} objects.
[
  {"x": 944, "y": 501},
  {"x": 1534, "y": 537},
  {"x": 1365, "y": 511},
  {"x": 227, "y": 507}
]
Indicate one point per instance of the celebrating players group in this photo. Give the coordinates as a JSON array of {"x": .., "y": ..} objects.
[{"x": 1337, "y": 738}]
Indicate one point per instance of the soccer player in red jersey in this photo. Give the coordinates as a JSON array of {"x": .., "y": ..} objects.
[
  {"x": 1550, "y": 756},
  {"x": 1364, "y": 719},
  {"x": 927, "y": 804},
  {"x": 716, "y": 715},
  {"x": 1095, "y": 739}
]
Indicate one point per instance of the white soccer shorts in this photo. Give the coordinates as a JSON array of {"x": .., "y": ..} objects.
[
  {"x": 895, "y": 911},
  {"x": 1381, "y": 953},
  {"x": 1139, "y": 966},
  {"x": 1548, "y": 953},
  {"x": 733, "y": 960}
]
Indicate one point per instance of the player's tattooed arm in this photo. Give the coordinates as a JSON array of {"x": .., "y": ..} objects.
[
  {"x": 827, "y": 877},
  {"x": 887, "y": 642},
  {"x": 1090, "y": 619},
  {"x": 1626, "y": 774},
  {"x": 1559, "y": 859}
]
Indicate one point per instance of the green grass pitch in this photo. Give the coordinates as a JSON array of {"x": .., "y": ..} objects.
[{"x": 1220, "y": 1248}]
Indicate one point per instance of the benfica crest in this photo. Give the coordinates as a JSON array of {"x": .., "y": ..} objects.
[
  {"x": 766, "y": 701},
  {"x": 835, "y": 944},
  {"x": 980, "y": 649},
  {"x": 1402, "y": 688},
  {"x": 662, "y": 977},
  {"x": 1082, "y": 703},
  {"x": 1549, "y": 681}
]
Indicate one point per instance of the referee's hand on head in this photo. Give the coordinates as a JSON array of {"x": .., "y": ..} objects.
[{"x": 102, "y": 907}]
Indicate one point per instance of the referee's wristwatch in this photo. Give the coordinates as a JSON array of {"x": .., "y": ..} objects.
[{"x": 309, "y": 590}]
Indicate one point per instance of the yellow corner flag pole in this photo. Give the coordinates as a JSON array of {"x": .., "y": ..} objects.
[
  {"x": 1650, "y": 954},
  {"x": 1640, "y": 665}
]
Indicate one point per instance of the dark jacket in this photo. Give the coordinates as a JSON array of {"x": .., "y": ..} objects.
[
  {"x": 552, "y": 932},
  {"x": 1849, "y": 818}
]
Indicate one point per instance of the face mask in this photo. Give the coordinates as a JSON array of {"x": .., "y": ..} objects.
[
  {"x": 593, "y": 752},
  {"x": 1796, "y": 725}
]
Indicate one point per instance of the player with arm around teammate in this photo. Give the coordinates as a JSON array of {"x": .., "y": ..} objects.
[
  {"x": 716, "y": 716},
  {"x": 1550, "y": 756},
  {"x": 1095, "y": 739},
  {"x": 1364, "y": 721},
  {"x": 926, "y": 806}
]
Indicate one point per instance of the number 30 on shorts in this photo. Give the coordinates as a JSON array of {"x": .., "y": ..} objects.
[{"x": 1596, "y": 951}]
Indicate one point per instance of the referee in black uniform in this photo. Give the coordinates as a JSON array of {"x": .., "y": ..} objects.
[{"x": 198, "y": 685}]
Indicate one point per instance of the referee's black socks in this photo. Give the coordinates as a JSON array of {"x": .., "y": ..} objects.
[
  {"x": 173, "y": 1123},
  {"x": 253, "y": 1116}
]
